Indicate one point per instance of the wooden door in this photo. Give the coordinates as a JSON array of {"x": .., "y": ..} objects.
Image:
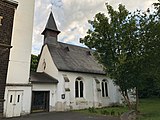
[
  {"x": 14, "y": 103},
  {"x": 40, "y": 101}
]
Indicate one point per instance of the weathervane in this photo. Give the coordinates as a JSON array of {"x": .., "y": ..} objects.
[
  {"x": 52, "y": 3},
  {"x": 56, "y": 3}
]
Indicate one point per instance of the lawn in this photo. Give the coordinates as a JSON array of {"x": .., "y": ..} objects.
[
  {"x": 149, "y": 110},
  {"x": 113, "y": 111}
]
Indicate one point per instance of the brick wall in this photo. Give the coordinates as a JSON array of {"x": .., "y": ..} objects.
[{"x": 7, "y": 9}]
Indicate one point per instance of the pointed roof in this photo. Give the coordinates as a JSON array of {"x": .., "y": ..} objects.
[{"x": 51, "y": 24}]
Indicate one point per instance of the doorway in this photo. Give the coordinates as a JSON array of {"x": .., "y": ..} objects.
[
  {"x": 40, "y": 101},
  {"x": 14, "y": 103}
]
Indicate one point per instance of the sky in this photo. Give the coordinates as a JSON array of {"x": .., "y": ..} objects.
[{"x": 72, "y": 17}]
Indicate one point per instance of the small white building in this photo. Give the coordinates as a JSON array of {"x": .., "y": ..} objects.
[{"x": 68, "y": 77}]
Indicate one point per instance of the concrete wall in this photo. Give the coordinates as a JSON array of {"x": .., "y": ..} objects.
[
  {"x": 92, "y": 97},
  {"x": 19, "y": 64}
]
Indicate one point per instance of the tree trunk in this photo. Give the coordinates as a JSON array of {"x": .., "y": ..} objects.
[
  {"x": 127, "y": 100},
  {"x": 137, "y": 100}
]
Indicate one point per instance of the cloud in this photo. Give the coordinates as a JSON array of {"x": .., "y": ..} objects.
[{"x": 72, "y": 17}]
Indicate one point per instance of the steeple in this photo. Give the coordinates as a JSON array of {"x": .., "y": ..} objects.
[{"x": 50, "y": 32}]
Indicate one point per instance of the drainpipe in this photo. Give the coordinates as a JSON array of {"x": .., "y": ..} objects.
[{"x": 93, "y": 93}]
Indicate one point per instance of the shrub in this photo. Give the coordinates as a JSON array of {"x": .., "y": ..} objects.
[
  {"x": 92, "y": 110},
  {"x": 104, "y": 112},
  {"x": 112, "y": 112}
]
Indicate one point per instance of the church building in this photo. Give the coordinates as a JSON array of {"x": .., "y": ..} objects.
[{"x": 69, "y": 77}]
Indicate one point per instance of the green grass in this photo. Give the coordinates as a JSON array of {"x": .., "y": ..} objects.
[
  {"x": 150, "y": 109},
  {"x": 114, "y": 111}
]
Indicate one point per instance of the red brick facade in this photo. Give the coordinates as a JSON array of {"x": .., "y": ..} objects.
[{"x": 7, "y": 9}]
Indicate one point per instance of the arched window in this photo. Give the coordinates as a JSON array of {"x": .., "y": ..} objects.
[
  {"x": 79, "y": 87},
  {"x": 44, "y": 64},
  {"x": 104, "y": 88}
]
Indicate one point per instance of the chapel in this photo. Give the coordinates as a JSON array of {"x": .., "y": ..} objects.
[{"x": 69, "y": 77}]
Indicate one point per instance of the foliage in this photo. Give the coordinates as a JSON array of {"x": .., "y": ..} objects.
[
  {"x": 105, "y": 112},
  {"x": 127, "y": 44},
  {"x": 34, "y": 62},
  {"x": 151, "y": 88},
  {"x": 113, "y": 111},
  {"x": 151, "y": 85},
  {"x": 92, "y": 110}
]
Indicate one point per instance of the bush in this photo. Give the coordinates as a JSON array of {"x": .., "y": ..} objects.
[
  {"x": 105, "y": 112},
  {"x": 92, "y": 110},
  {"x": 112, "y": 112}
]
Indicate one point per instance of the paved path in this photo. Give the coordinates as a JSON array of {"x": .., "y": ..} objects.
[{"x": 62, "y": 116}]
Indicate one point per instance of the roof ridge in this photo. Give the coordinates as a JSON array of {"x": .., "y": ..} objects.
[{"x": 67, "y": 45}]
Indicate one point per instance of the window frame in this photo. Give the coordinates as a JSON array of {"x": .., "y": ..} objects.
[
  {"x": 79, "y": 87},
  {"x": 104, "y": 88}
]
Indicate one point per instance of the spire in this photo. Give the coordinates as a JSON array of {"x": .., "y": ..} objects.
[{"x": 50, "y": 32}]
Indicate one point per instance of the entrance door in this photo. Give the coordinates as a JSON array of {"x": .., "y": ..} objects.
[
  {"x": 14, "y": 103},
  {"x": 40, "y": 101}
]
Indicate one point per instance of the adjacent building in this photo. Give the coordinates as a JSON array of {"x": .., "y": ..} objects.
[
  {"x": 18, "y": 89},
  {"x": 7, "y": 9}
]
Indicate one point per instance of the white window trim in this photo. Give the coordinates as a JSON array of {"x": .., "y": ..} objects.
[
  {"x": 79, "y": 91},
  {"x": 103, "y": 82}
]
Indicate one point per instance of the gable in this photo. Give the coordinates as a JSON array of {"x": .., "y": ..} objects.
[{"x": 46, "y": 63}]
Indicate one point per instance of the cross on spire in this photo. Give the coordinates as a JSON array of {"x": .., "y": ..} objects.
[
  {"x": 56, "y": 3},
  {"x": 52, "y": 4}
]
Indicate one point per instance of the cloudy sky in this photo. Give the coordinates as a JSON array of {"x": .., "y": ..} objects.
[{"x": 72, "y": 15}]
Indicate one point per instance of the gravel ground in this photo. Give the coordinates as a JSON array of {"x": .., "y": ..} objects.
[{"x": 62, "y": 116}]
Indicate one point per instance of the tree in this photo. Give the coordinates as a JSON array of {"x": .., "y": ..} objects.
[
  {"x": 127, "y": 44},
  {"x": 34, "y": 62},
  {"x": 151, "y": 88}
]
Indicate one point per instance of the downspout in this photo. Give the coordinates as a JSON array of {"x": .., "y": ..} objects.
[{"x": 93, "y": 93}]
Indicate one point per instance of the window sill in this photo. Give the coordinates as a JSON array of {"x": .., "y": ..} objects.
[
  {"x": 80, "y": 98},
  {"x": 81, "y": 101},
  {"x": 106, "y": 97}
]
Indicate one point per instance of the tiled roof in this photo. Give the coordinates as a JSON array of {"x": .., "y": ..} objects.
[
  {"x": 74, "y": 59},
  {"x": 41, "y": 77}
]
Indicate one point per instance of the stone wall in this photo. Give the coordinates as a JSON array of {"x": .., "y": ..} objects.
[
  {"x": 7, "y": 9},
  {"x": 131, "y": 115}
]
